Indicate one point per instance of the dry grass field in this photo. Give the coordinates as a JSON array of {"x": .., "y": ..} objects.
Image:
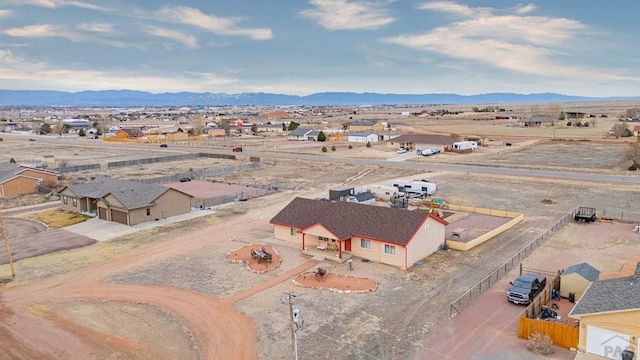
[{"x": 96, "y": 301}]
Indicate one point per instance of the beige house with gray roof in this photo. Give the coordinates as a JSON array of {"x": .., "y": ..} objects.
[
  {"x": 123, "y": 201},
  {"x": 343, "y": 229}
]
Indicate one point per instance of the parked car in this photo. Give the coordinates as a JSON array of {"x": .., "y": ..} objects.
[
  {"x": 237, "y": 149},
  {"x": 185, "y": 179},
  {"x": 401, "y": 150},
  {"x": 525, "y": 288},
  {"x": 164, "y": 145},
  {"x": 32, "y": 139}
]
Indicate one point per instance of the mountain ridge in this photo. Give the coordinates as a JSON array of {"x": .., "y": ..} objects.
[{"x": 142, "y": 98}]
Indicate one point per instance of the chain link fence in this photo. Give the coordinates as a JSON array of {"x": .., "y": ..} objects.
[{"x": 483, "y": 285}]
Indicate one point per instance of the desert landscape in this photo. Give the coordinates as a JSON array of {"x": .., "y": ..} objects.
[{"x": 172, "y": 292}]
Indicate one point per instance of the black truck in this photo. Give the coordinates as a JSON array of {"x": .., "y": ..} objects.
[
  {"x": 525, "y": 288},
  {"x": 585, "y": 214}
]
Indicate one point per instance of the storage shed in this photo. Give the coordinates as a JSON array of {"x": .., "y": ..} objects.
[
  {"x": 576, "y": 279},
  {"x": 340, "y": 193}
]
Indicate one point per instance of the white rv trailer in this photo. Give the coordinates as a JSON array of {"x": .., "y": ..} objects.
[
  {"x": 463, "y": 145},
  {"x": 421, "y": 187}
]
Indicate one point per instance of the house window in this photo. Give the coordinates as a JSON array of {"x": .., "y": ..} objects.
[
  {"x": 389, "y": 249},
  {"x": 65, "y": 200},
  {"x": 75, "y": 202},
  {"x": 365, "y": 244},
  {"x": 148, "y": 212},
  {"x": 293, "y": 232}
]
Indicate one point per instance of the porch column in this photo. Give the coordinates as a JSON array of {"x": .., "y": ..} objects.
[
  {"x": 339, "y": 249},
  {"x": 303, "y": 241}
]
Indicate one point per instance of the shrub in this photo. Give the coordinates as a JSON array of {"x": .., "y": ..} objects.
[
  {"x": 324, "y": 149},
  {"x": 368, "y": 144},
  {"x": 322, "y": 136},
  {"x": 12, "y": 161},
  {"x": 633, "y": 167},
  {"x": 333, "y": 148},
  {"x": 569, "y": 123},
  {"x": 350, "y": 146},
  {"x": 540, "y": 343},
  {"x": 578, "y": 124}
]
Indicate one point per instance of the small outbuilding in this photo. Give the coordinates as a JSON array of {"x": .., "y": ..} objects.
[{"x": 576, "y": 279}]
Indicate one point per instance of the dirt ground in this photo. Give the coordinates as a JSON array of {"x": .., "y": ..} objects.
[{"x": 172, "y": 292}]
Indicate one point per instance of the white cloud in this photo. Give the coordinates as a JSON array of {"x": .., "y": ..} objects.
[
  {"x": 5, "y": 13},
  {"x": 19, "y": 73},
  {"x": 348, "y": 15},
  {"x": 525, "y": 9},
  {"x": 187, "y": 40},
  {"x": 525, "y": 44},
  {"x": 42, "y": 31},
  {"x": 52, "y": 4},
  {"x": 217, "y": 25},
  {"x": 96, "y": 27}
]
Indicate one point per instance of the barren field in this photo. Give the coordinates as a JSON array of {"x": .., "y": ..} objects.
[{"x": 177, "y": 286}]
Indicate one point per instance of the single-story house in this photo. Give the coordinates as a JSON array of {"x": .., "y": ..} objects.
[
  {"x": 636, "y": 130},
  {"x": 382, "y": 234},
  {"x": 123, "y": 201},
  {"x": 362, "y": 137},
  {"x": 609, "y": 314},
  {"x": 365, "y": 125},
  {"x": 536, "y": 120},
  {"x": 20, "y": 179},
  {"x": 303, "y": 134},
  {"x": 421, "y": 141},
  {"x": 216, "y": 132},
  {"x": 576, "y": 279}
]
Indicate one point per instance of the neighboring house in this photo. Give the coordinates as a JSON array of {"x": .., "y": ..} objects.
[
  {"x": 23, "y": 130},
  {"x": 570, "y": 115},
  {"x": 302, "y": 134},
  {"x": 386, "y": 235},
  {"x": 362, "y": 137},
  {"x": 536, "y": 120},
  {"x": 576, "y": 279},
  {"x": 20, "y": 180},
  {"x": 216, "y": 132},
  {"x": 123, "y": 201},
  {"x": 124, "y": 134},
  {"x": 366, "y": 125},
  {"x": 636, "y": 130},
  {"x": 8, "y": 126},
  {"x": 609, "y": 314},
  {"x": 421, "y": 141}
]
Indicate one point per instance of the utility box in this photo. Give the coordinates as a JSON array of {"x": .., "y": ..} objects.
[{"x": 459, "y": 234}]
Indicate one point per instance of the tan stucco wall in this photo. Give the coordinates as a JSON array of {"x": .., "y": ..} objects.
[
  {"x": 376, "y": 253},
  {"x": 171, "y": 203},
  {"x": 69, "y": 205},
  {"x": 426, "y": 241},
  {"x": 18, "y": 186},
  {"x": 283, "y": 232},
  {"x": 573, "y": 283},
  {"x": 627, "y": 322}
]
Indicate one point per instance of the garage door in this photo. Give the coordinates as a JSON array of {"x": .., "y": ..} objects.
[
  {"x": 102, "y": 213},
  {"x": 606, "y": 343},
  {"x": 119, "y": 216}
]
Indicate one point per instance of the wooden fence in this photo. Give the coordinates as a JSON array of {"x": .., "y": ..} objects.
[{"x": 563, "y": 335}]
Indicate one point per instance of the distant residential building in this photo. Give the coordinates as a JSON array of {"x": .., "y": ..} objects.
[
  {"x": 366, "y": 125},
  {"x": 19, "y": 179},
  {"x": 303, "y": 134},
  {"x": 362, "y": 137}
]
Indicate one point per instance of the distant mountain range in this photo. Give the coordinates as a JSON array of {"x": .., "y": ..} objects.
[{"x": 132, "y": 98}]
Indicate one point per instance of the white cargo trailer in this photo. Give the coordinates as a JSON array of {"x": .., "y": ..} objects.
[
  {"x": 463, "y": 145},
  {"x": 421, "y": 187}
]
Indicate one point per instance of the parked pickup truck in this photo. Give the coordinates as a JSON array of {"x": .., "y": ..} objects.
[{"x": 525, "y": 288}]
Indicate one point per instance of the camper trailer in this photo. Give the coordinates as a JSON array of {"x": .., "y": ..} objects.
[
  {"x": 418, "y": 187},
  {"x": 463, "y": 145}
]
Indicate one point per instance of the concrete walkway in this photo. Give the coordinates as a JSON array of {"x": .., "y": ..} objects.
[{"x": 102, "y": 230}]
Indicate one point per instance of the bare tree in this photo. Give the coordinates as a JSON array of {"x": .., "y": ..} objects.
[
  {"x": 198, "y": 127},
  {"x": 631, "y": 113},
  {"x": 619, "y": 129},
  {"x": 633, "y": 153},
  {"x": 554, "y": 112}
]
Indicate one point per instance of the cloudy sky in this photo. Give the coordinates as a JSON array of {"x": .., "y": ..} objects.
[{"x": 574, "y": 47}]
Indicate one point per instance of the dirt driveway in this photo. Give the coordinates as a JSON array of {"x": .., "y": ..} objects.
[{"x": 28, "y": 238}]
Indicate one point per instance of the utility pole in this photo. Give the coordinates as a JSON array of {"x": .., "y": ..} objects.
[
  {"x": 6, "y": 244},
  {"x": 295, "y": 323}
]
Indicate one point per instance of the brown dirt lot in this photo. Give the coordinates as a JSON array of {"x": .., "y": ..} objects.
[{"x": 180, "y": 282}]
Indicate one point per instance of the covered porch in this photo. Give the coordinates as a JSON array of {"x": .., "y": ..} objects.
[{"x": 326, "y": 247}]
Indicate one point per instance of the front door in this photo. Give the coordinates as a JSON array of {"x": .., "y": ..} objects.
[{"x": 347, "y": 245}]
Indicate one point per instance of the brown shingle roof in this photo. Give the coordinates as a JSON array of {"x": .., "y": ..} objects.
[{"x": 345, "y": 219}]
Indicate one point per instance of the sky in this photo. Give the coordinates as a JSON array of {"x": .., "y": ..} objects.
[{"x": 301, "y": 47}]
